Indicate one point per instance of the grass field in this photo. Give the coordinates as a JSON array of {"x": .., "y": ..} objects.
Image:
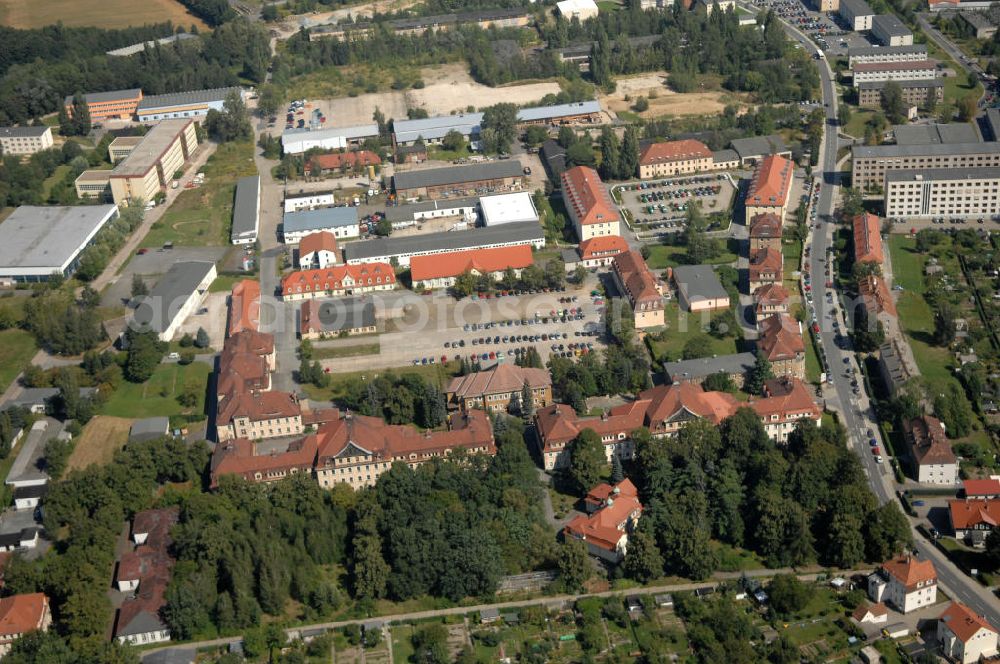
[
  {"x": 17, "y": 347},
  {"x": 681, "y": 326},
  {"x": 97, "y": 13},
  {"x": 158, "y": 395},
  {"x": 100, "y": 439},
  {"x": 201, "y": 217},
  {"x": 346, "y": 351},
  {"x": 664, "y": 256},
  {"x": 859, "y": 118}
]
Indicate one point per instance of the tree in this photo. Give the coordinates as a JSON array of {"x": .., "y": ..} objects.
[
  {"x": 843, "y": 114},
  {"x": 567, "y": 137},
  {"x": 56, "y": 455},
  {"x": 892, "y": 102},
  {"x": 788, "y": 595},
  {"x": 527, "y": 400},
  {"x": 617, "y": 472},
  {"x": 759, "y": 374},
  {"x": 201, "y": 339},
  {"x": 641, "y": 104},
  {"x": 701, "y": 248},
  {"x": 453, "y": 141},
  {"x": 430, "y": 645},
  {"x": 718, "y": 382},
  {"x": 587, "y": 460},
  {"x": 232, "y": 123},
  {"x": 535, "y": 135},
  {"x": 580, "y": 154},
  {"x": 967, "y": 107},
  {"x": 371, "y": 572},
  {"x": 144, "y": 351},
  {"x": 499, "y": 127},
  {"x": 383, "y": 227},
  {"x": 610, "y": 154},
  {"x": 139, "y": 287},
  {"x": 628, "y": 165},
  {"x": 643, "y": 561},
  {"x": 888, "y": 532},
  {"x": 269, "y": 96},
  {"x": 81, "y": 115},
  {"x": 269, "y": 12},
  {"x": 574, "y": 565},
  {"x": 696, "y": 347},
  {"x": 189, "y": 394}
]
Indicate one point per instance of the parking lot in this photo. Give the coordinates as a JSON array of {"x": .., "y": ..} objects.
[
  {"x": 151, "y": 265},
  {"x": 661, "y": 205}
]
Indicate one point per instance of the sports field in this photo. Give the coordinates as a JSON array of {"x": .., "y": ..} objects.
[{"x": 98, "y": 13}]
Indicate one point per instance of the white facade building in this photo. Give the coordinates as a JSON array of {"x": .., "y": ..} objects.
[
  {"x": 508, "y": 209},
  {"x": 942, "y": 192},
  {"x": 904, "y": 582},
  {"x": 309, "y": 201},
  {"x": 25, "y": 140}
]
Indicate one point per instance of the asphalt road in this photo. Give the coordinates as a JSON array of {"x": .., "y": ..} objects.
[{"x": 856, "y": 412}]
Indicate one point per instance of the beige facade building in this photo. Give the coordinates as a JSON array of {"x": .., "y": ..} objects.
[
  {"x": 904, "y": 583},
  {"x": 915, "y": 93},
  {"x": 149, "y": 167},
  {"x": 965, "y": 637},
  {"x": 870, "y": 163},
  {"x": 674, "y": 158},
  {"x": 500, "y": 389},
  {"x": 872, "y": 72},
  {"x": 644, "y": 293},
  {"x": 590, "y": 208},
  {"x": 122, "y": 147},
  {"x": 943, "y": 192},
  {"x": 93, "y": 183},
  {"x": 25, "y": 140}
]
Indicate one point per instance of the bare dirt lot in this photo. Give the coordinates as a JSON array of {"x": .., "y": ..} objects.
[
  {"x": 667, "y": 102},
  {"x": 447, "y": 89},
  {"x": 101, "y": 438}
]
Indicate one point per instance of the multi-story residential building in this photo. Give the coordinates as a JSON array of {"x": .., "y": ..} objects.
[
  {"x": 827, "y": 5},
  {"x": 318, "y": 251},
  {"x": 868, "y": 239},
  {"x": 944, "y": 192},
  {"x": 964, "y": 636},
  {"x": 589, "y": 206},
  {"x": 144, "y": 571},
  {"x": 595, "y": 252},
  {"x": 114, "y": 105},
  {"x": 770, "y": 299},
  {"x": 865, "y": 54},
  {"x": 973, "y": 519},
  {"x": 769, "y": 189},
  {"x": 21, "y": 614},
  {"x": 25, "y": 140},
  {"x": 915, "y": 93},
  {"x": 338, "y": 280},
  {"x": 896, "y": 364},
  {"x": 890, "y": 31},
  {"x": 644, "y": 293},
  {"x": 765, "y": 231},
  {"x": 933, "y": 459},
  {"x": 674, "y": 158},
  {"x": 904, "y": 583},
  {"x": 914, "y": 70},
  {"x": 443, "y": 270},
  {"x": 500, "y": 389},
  {"x": 765, "y": 268},
  {"x": 699, "y": 288},
  {"x": 870, "y": 163},
  {"x": 244, "y": 307},
  {"x": 857, "y": 14},
  {"x": 606, "y": 526},
  {"x": 874, "y": 294},
  {"x": 151, "y": 165},
  {"x": 787, "y": 403},
  {"x": 780, "y": 341}
]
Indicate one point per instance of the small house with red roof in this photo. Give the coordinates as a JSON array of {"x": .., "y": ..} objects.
[
  {"x": 442, "y": 270},
  {"x": 770, "y": 299},
  {"x": 338, "y": 162},
  {"x": 964, "y": 636},
  {"x": 21, "y": 614},
  {"x": 318, "y": 251},
  {"x": 905, "y": 583},
  {"x": 605, "y": 529},
  {"x": 868, "y": 239},
  {"x": 781, "y": 342},
  {"x": 244, "y": 307},
  {"x": 595, "y": 252},
  {"x": 770, "y": 187},
  {"x": 982, "y": 488},
  {"x": 672, "y": 158},
  {"x": 870, "y": 614},
  {"x": 972, "y": 519}
]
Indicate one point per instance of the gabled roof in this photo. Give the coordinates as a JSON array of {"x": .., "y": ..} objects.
[
  {"x": 963, "y": 622},
  {"x": 605, "y": 527},
  {"x": 480, "y": 261},
  {"x": 973, "y": 512},
  {"x": 584, "y": 193},
  {"x": 981, "y": 487},
  {"x": 353, "y": 159},
  {"x": 239, "y": 457},
  {"x": 639, "y": 281},
  {"x": 332, "y": 278},
  {"x": 909, "y": 571},
  {"x": 780, "y": 338},
  {"x": 257, "y": 406},
  {"x": 501, "y": 379},
  {"x": 662, "y": 153},
  {"x": 788, "y": 398},
  {"x": 602, "y": 245},
  {"x": 771, "y": 182},
  {"x": 773, "y": 294},
  {"x": 336, "y": 315},
  {"x": 669, "y": 401},
  {"x": 22, "y": 613},
  {"x": 876, "y": 610},
  {"x": 868, "y": 239},
  {"x": 765, "y": 261},
  {"x": 560, "y": 423},
  {"x": 603, "y": 491},
  {"x": 244, "y": 307},
  {"x": 875, "y": 293},
  {"x": 765, "y": 226},
  {"x": 906, "y": 65},
  {"x": 321, "y": 241},
  {"x": 930, "y": 444}
]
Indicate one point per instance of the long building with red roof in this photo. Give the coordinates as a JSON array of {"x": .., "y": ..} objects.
[
  {"x": 441, "y": 270},
  {"x": 672, "y": 158},
  {"x": 868, "y": 239},
  {"x": 770, "y": 187},
  {"x": 21, "y": 614},
  {"x": 605, "y": 530},
  {"x": 145, "y": 572},
  {"x": 244, "y": 307},
  {"x": 637, "y": 283},
  {"x": 973, "y": 519},
  {"x": 338, "y": 280},
  {"x": 590, "y": 207},
  {"x": 595, "y": 252},
  {"x": 339, "y": 161}
]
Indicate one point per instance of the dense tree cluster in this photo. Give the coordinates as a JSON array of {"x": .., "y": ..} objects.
[
  {"x": 232, "y": 123},
  {"x": 533, "y": 277},
  {"x": 108, "y": 241},
  {"x": 399, "y": 399},
  {"x": 807, "y": 502},
  {"x": 213, "y": 12},
  {"x": 23, "y": 182},
  {"x": 62, "y": 325},
  {"x": 623, "y": 369}
]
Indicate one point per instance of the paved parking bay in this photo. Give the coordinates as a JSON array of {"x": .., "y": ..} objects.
[
  {"x": 151, "y": 266},
  {"x": 661, "y": 205}
]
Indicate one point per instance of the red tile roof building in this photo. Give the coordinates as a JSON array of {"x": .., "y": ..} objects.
[
  {"x": 500, "y": 389},
  {"x": 644, "y": 293},
  {"x": 788, "y": 401},
  {"x": 934, "y": 460},
  {"x": 765, "y": 267},
  {"x": 781, "y": 342},
  {"x": 338, "y": 280},
  {"x": 765, "y": 231},
  {"x": 674, "y": 158},
  {"x": 871, "y": 614},
  {"x": 441, "y": 270},
  {"x": 339, "y": 161},
  {"x": 145, "y": 572},
  {"x": 973, "y": 518},
  {"x": 770, "y": 187},
  {"x": 20, "y": 614},
  {"x": 876, "y": 297},
  {"x": 868, "y": 239},
  {"x": 770, "y": 299},
  {"x": 605, "y": 531},
  {"x": 599, "y": 251},
  {"x": 590, "y": 208},
  {"x": 244, "y": 307},
  {"x": 964, "y": 636},
  {"x": 905, "y": 583},
  {"x": 354, "y": 449},
  {"x": 982, "y": 488},
  {"x": 318, "y": 251}
]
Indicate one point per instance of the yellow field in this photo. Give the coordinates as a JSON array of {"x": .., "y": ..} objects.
[
  {"x": 97, "y": 13},
  {"x": 101, "y": 438}
]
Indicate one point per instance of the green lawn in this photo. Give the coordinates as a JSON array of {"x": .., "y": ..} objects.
[
  {"x": 203, "y": 216},
  {"x": 224, "y": 282},
  {"x": 158, "y": 396},
  {"x": 664, "y": 256},
  {"x": 346, "y": 351},
  {"x": 57, "y": 176},
  {"x": 681, "y": 326},
  {"x": 859, "y": 118},
  {"x": 439, "y": 153},
  {"x": 17, "y": 347},
  {"x": 955, "y": 87}
]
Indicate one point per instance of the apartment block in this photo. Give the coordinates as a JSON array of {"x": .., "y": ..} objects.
[
  {"x": 589, "y": 206},
  {"x": 25, "y": 140},
  {"x": 152, "y": 163},
  {"x": 770, "y": 187},
  {"x": 873, "y": 72},
  {"x": 644, "y": 292},
  {"x": 865, "y": 54},
  {"x": 857, "y": 14},
  {"x": 890, "y": 31},
  {"x": 113, "y": 105},
  {"x": 674, "y": 158},
  {"x": 870, "y": 163},
  {"x": 915, "y": 93},
  {"x": 943, "y": 192}
]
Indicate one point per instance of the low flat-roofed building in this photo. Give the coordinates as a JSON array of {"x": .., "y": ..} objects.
[
  {"x": 384, "y": 249},
  {"x": 297, "y": 141},
  {"x": 508, "y": 209},
  {"x": 308, "y": 200},
  {"x": 93, "y": 184},
  {"x": 122, "y": 146},
  {"x": 943, "y": 192},
  {"x": 175, "y": 297},
  {"x": 753, "y": 149},
  {"x": 578, "y": 9},
  {"x": 869, "y": 163},
  {"x": 149, "y": 428},
  {"x": 862, "y": 54},
  {"x": 442, "y": 270},
  {"x": 979, "y": 23},
  {"x": 37, "y": 242},
  {"x": 674, "y": 158},
  {"x": 490, "y": 177},
  {"x": 915, "y": 93},
  {"x": 936, "y": 133},
  {"x": 734, "y": 366},
  {"x": 699, "y": 288},
  {"x": 190, "y": 104},
  {"x": 148, "y": 168},
  {"x": 890, "y": 31},
  {"x": 341, "y": 222},
  {"x": 911, "y": 70},
  {"x": 590, "y": 208},
  {"x": 112, "y": 105},
  {"x": 134, "y": 49},
  {"x": 246, "y": 211},
  {"x": 403, "y": 216},
  {"x": 857, "y": 13},
  {"x": 25, "y": 140},
  {"x": 319, "y": 319}
]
